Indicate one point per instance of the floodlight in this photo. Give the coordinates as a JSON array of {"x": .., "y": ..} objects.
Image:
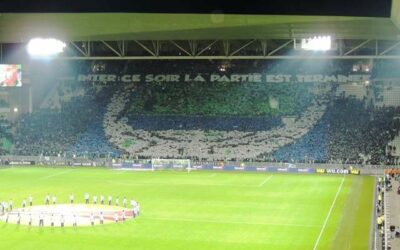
[
  {"x": 45, "y": 47},
  {"x": 317, "y": 43}
]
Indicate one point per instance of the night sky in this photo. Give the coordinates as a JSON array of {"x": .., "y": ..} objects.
[{"x": 370, "y": 8}]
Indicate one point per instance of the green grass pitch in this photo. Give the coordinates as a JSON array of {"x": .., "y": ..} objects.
[{"x": 199, "y": 210}]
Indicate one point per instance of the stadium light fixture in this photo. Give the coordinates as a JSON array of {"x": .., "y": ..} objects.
[
  {"x": 45, "y": 47},
  {"x": 317, "y": 43}
]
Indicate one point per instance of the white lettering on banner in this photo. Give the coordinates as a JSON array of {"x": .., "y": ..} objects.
[
  {"x": 130, "y": 78},
  {"x": 236, "y": 78},
  {"x": 198, "y": 78},
  {"x": 278, "y": 78},
  {"x": 162, "y": 78},
  {"x": 337, "y": 171},
  {"x": 330, "y": 79},
  {"x": 228, "y": 78}
]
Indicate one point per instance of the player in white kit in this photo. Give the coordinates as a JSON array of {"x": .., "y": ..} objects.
[
  {"x": 47, "y": 199},
  {"x": 30, "y": 200},
  {"x": 92, "y": 219},
  {"x": 75, "y": 222},
  {"x": 62, "y": 220},
  {"x": 86, "y": 198},
  {"x": 123, "y": 215},
  {"x": 101, "y": 218},
  {"x": 116, "y": 217},
  {"x": 71, "y": 198},
  {"x": 41, "y": 220},
  {"x": 52, "y": 220},
  {"x": 124, "y": 202}
]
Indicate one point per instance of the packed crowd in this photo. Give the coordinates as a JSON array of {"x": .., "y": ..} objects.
[
  {"x": 200, "y": 144},
  {"x": 74, "y": 128},
  {"x": 349, "y": 132},
  {"x": 208, "y": 121}
]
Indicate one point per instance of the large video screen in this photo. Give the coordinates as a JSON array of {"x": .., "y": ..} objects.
[{"x": 10, "y": 75}]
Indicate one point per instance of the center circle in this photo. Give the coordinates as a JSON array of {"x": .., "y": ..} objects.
[{"x": 68, "y": 215}]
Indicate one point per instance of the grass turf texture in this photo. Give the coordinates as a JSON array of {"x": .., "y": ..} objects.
[{"x": 199, "y": 210}]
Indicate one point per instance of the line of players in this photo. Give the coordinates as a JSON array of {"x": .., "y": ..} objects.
[
  {"x": 92, "y": 218},
  {"x": 8, "y": 207}
]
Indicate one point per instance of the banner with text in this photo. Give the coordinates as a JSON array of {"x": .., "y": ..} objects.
[{"x": 230, "y": 78}]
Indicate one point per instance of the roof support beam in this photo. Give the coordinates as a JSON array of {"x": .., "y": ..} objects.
[
  {"x": 121, "y": 47},
  {"x": 264, "y": 47},
  {"x": 226, "y": 44},
  {"x": 79, "y": 49},
  {"x": 280, "y": 47},
  {"x": 390, "y": 48},
  {"x": 357, "y": 47},
  {"x": 397, "y": 57},
  {"x": 112, "y": 49},
  {"x": 145, "y": 48},
  {"x": 193, "y": 47},
  {"x": 241, "y": 48},
  {"x": 180, "y": 47},
  {"x": 206, "y": 48},
  {"x": 156, "y": 47}
]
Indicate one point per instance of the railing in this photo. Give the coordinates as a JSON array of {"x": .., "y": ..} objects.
[
  {"x": 386, "y": 210},
  {"x": 84, "y": 161}
]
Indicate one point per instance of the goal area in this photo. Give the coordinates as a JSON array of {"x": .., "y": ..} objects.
[{"x": 176, "y": 164}]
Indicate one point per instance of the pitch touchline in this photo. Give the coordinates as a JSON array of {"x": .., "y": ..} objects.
[
  {"x": 267, "y": 179},
  {"x": 233, "y": 222},
  {"x": 329, "y": 214}
]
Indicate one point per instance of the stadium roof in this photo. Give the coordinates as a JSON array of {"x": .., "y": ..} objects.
[
  {"x": 19, "y": 27},
  {"x": 191, "y": 35}
]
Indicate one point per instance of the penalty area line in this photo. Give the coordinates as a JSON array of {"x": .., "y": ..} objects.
[
  {"x": 57, "y": 174},
  {"x": 264, "y": 181},
  {"x": 329, "y": 214}
]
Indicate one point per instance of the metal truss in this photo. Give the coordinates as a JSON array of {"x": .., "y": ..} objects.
[{"x": 224, "y": 49}]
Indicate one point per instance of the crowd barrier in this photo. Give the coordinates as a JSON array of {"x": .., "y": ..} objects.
[{"x": 278, "y": 167}]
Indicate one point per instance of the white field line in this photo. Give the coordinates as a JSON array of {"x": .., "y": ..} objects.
[
  {"x": 212, "y": 175},
  {"x": 231, "y": 222},
  {"x": 267, "y": 179},
  {"x": 57, "y": 174},
  {"x": 121, "y": 172},
  {"x": 329, "y": 214},
  {"x": 178, "y": 184}
]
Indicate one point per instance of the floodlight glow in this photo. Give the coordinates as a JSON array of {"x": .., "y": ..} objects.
[
  {"x": 44, "y": 47},
  {"x": 317, "y": 43}
]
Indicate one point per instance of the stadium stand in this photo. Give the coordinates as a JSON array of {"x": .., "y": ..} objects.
[{"x": 288, "y": 122}]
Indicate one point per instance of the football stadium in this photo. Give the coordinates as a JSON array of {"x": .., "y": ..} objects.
[{"x": 141, "y": 129}]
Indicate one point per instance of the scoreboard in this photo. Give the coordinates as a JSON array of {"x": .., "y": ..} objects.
[{"x": 10, "y": 75}]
